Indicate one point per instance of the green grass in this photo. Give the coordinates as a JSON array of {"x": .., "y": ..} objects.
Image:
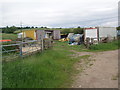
[
  {"x": 96, "y": 48},
  {"x": 106, "y": 46},
  {"x": 8, "y": 36},
  {"x": 51, "y": 69}
]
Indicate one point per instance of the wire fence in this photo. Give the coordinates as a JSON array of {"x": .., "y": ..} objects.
[{"x": 23, "y": 49}]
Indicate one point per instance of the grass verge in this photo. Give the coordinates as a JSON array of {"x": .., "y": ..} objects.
[
  {"x": 51, "y": 69},
  {"x": 96, "y": 48},
  {"x": 106, "y": 46}
]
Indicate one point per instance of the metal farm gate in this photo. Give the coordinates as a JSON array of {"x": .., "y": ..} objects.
[{"x": 23, "y": 49}]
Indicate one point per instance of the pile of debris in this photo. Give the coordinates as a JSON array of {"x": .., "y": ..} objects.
[{"x": 73, "y": 39}]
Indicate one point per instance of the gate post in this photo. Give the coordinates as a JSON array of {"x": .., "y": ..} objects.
[{"x": 20, "y": 49}]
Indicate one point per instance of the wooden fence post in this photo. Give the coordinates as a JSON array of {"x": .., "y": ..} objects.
[{"x": 42, "y": 44}]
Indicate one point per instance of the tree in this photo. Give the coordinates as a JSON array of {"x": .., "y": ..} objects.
[
  {"x": 9, "y": 29},
  {"x": 66, "y": 31},
  {"x": 32, "y": 27},
  {"x": 78, "y": 30}
]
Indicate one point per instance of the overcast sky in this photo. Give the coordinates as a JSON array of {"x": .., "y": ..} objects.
[{"x": 59, "y": 13}]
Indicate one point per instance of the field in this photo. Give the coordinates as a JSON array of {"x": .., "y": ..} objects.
[
  {"x": 53, "y": 68},
  {"x": 8, "y": 36}
]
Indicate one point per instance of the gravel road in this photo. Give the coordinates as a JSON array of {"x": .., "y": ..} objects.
[{"x": 102, "y": 74}]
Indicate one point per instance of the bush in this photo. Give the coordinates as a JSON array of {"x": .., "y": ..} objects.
[{"x": 9, "y": 29}]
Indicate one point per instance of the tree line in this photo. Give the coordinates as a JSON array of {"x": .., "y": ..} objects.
[
  {"x": 14, "y": 28},
  {"x": 77, "y": 30}
]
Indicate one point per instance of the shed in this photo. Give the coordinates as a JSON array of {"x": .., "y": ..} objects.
[
  {"x": 40, "y": 34},
  {"x": 30, "y": 34},
  {"x": 20, "y": 35},
  {"x": 56, "y": 34}
]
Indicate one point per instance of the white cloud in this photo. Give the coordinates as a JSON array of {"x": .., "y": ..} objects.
[
  {"x": 111, "y": 24},
  {"x": 57, "y": 13}
]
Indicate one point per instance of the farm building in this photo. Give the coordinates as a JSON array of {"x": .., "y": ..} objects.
[
  {"x": 100, "y": 33},
  {"x": 38, "y": 34},
  {"x": 55, "y": 34}
]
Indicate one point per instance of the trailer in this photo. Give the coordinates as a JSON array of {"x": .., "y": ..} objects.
[
  {"x": 98, "y": 34},
  {"x": 104, "y": 32},
  {"x": 92, "y": 34}
]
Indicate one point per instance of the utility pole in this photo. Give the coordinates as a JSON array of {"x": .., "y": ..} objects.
[{"x": 21, "y": 26}]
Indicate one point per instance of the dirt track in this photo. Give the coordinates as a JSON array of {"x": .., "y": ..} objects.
[{"x": 102, "y": 74}]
